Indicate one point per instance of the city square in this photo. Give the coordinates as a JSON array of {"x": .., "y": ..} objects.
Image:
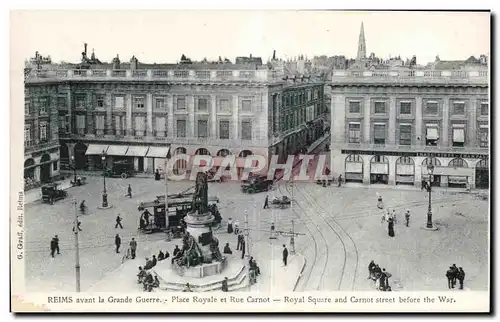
[{"x": 462, "y": 220}]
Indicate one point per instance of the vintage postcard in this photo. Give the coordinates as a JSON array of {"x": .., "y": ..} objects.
[{"x": 250, "y": 161}]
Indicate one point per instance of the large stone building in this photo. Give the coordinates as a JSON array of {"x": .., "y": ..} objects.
[
  {"x": 389, "y": 122},
  {"x": 145, "y": 112}
]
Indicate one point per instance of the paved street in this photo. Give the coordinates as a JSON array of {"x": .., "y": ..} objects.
[{"x": 331, "y": 219}]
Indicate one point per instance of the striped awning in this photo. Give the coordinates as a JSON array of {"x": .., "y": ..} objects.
[
  {"x": 96, "y": 149},
  {"x": 137, "y": 151},
  {"x": 117, "y": 150},
  {"x": 158, "y": 152}
]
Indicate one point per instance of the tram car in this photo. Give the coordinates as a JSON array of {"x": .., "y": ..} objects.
[{"x": 153, "y": 218}]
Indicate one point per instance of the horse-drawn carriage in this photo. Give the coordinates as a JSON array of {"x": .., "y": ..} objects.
[{"x": 281, "y": 202}]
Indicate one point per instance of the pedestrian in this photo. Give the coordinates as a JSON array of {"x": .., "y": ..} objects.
[
  {"x": 161, "y": 256},
  {"x": 285, "y": 254},
  {"x": 52, "y": 247},
  {"x": 129, "y": 191},
  {"x": 118, "y": 221},
  {"x": 133, "y": 247},
  {"x": 380, "y": 203},
  {"x": 461, "y": 277},
  {"x": 371, "y": 266},
  {"x": 56, "y": 239},
  {"x": 225, "y": 286},
  {"x": 390, "y": 227},
  {"x": 176, "y": 250},
  {"x": 273, "y": 233},
  {"x": 449, "y": 276},
  {"x": 236, "y": 227},
  {"x": 266, "y": 202},
  {"x": 394, "y": 217},
  {"x": 407, "y": 218},
  {"x": 240, "y": 239},
  {"x": 455, "y": 274},
  {"x": 242, "y": 248},
  {"x": 157, "y": 175},
  {"x": 118, "y": 242},
  {"x": 340, "y": 181},
  {"x": 154, "y": 260},
  {"x": 77, "y": 226},
  {"x": 230, "y": 226}
]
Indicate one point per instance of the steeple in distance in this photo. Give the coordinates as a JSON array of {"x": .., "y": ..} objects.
[{"x": 361, "y": 44}]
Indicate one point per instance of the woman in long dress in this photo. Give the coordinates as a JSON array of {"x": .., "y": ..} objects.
[
  {"x": 230, "y": 226},
  {"x": 391, "y": 227}
]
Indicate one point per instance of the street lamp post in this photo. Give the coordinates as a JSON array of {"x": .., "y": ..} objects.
[
  {"x": 430, "y": 171},
  {"x": 104, "y": 193},
  {"x": 77, "y": 249},
  {"x": 73, "y": 164}
]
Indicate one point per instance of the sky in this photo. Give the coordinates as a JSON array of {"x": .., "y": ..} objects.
[{"x": 163, "y": 36}]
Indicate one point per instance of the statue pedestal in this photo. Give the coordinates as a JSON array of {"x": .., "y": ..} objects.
[
  {"x": 200, "y": 271},
  {"x": 197, "y": 225}
]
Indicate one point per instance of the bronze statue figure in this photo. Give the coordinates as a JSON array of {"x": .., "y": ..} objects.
[{"x": 200, "y": 198}]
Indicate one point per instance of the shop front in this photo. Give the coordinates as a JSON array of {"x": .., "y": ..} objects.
[
  {"x": 379, "y": 170},
  {"x": 483, "y": 174},
  {"x": 353, "y": 168},
  {"x": 405, "y": 171}
]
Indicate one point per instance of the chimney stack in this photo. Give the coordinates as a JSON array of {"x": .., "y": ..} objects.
[
  {"x": 85, "y": 48},
  {"x": 274, "y": 54}
]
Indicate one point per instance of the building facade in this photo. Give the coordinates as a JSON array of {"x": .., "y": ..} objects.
[
  {"x": 41, "y": 137},
  {"x": 145, "y": 115},
  {"x": 389, "y": 124}
]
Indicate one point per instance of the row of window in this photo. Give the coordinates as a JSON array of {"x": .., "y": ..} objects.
[
  {"x": 299, "y": 97},
  {"x": 42, "y": 133},
  {"x": 139, "y": 102},
  {"x": 119, "y": 126},
  {"x": 405, "y": 108},
  {"x": 299, "y": 116},
  {"x": 405, "y": 134}
]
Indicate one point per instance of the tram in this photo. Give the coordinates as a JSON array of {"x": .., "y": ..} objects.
[{"x": 153, "y": 216}]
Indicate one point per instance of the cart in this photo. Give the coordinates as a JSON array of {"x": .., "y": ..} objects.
[{"x": 282, "y": 202}]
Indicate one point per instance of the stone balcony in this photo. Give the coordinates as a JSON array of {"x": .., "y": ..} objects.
[
  {"x": 410, "y": 77},
  {"x": 170, "y": 75},
  {"x": 387, "y": 148}
]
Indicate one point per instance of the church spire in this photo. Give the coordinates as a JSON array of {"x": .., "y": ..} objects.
[{"x": 361, "y": 44}]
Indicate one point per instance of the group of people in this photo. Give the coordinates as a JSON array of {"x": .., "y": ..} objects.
[
  {"x": 391, "y": 217},
  {"x": 380, "y": 276},
  {"x": 146, "y": 278},
  {"x": 453, "y": 274}
]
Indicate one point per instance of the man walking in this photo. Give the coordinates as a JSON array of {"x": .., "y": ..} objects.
[
  {"x": 77, "y": 226},
  {"x": 56, "y": 239},
  {"x": 266, "y": 202},
  {"x": 242, "y": 248},
  {"x": 129, "y": 191},
  {"x": 285, "y": 254},
  {"x": 461, "y": 277},
  {"x": 118, "y": 242},
  {"x": 407, "y": 218},
  {"x": 240, "y": 241},
  {"x": 449, "y": 276},
  {"x": 118, "y": 221},
  {"x": 52, "y": 247},
  {"x": 133, "y": 248}
]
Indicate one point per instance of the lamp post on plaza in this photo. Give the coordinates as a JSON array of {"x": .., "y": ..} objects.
[
  {"x": 73, "y": 164},
  {"x": 105, "y": 204},
  {"x": 430, "y": 171}
]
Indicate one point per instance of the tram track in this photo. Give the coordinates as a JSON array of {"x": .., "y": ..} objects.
[{"x": 346, "y": 241}]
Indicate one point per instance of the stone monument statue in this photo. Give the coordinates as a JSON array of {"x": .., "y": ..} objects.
[{"x": 199, "y": 245}]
